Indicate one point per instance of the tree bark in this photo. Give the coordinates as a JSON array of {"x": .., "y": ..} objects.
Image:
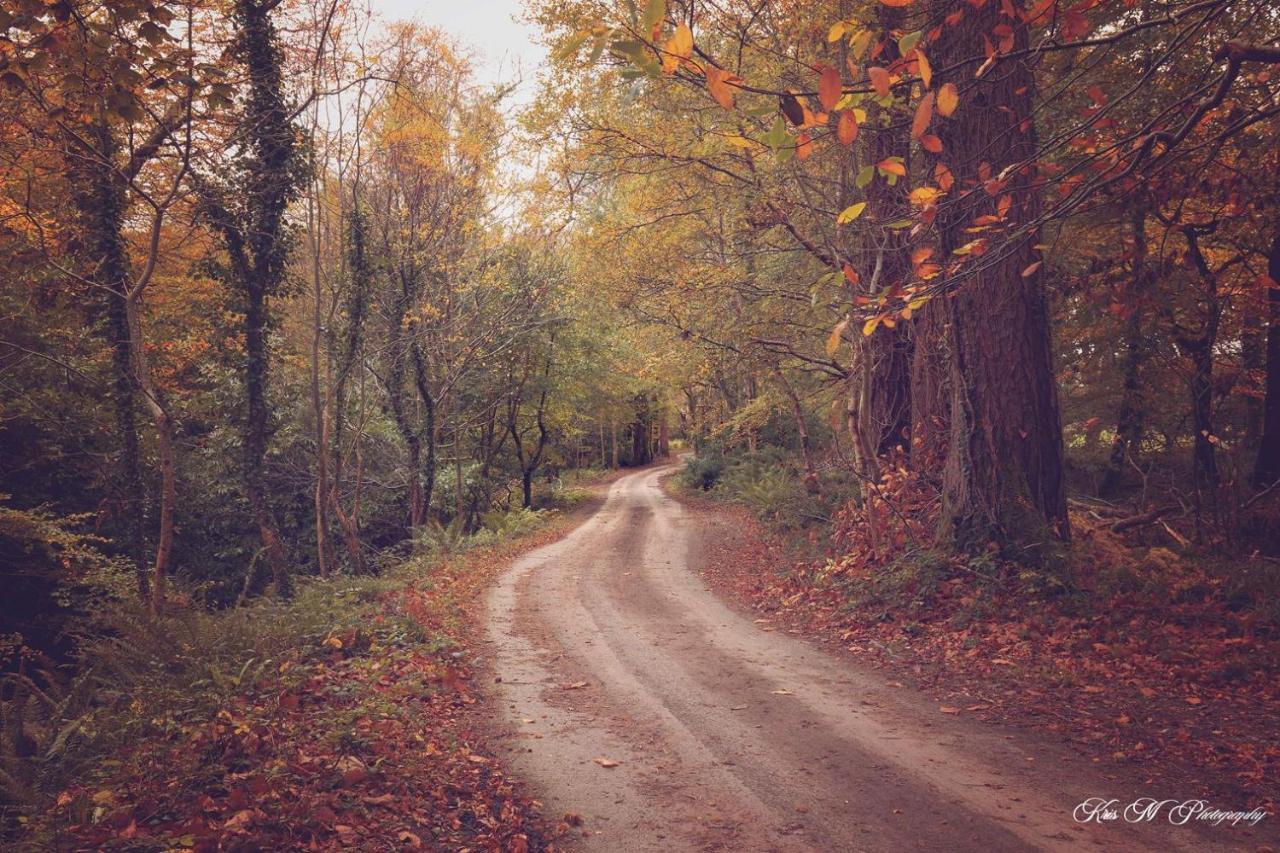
[
  {"x": 1132, "y": 415},
  {"x": 102, "y": 212},
  {"x": 1266, "y": 470},
  {"x": 1002, "y": 481}
]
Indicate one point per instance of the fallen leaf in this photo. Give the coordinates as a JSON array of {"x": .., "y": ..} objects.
[{"x": 606, "y": 762}]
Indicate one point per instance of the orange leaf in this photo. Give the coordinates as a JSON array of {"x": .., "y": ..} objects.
[
  {"x": 948, "y": 99},
  {"x": 943, "y": 176},
  {"x": 879, "y": 80},
  {"x": 931, "y": 143},
  {"x": 926, "y": 70},
  {"x": 718, "y": 84},
  {"x": 804, "y": 146},
  {"x": 1031, "y": 269},
  {"x": 847, "y": 128},
  {"x": 893, "y": 167},
  {"x": 678, "y": 47},
  {"x": 828, "y": 87},
  {"x": 924, "y": 114},
  {"x": 897, "y": 3}
]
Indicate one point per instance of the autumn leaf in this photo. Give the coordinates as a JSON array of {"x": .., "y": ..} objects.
[
  {"x": 948, "y": 99},
  {"x": 949, "y": 709},
  {"x": 851, "y": 213},
  {"x": 879, "y": 80},
  {"x": 931, "y": 143},
  {"x": 892, "y": 166},
  {"x": 847, "y": 128},
  {"x": 897, "y": 3},
  {"x": 678, "y": 47},
  {"x": 804, "y": 146},
  {"x": 719, "y": 85},
  {"x": 869, "y": 327},
  {"x": 1030, "y": 270},
  {"x": 606, "y": 762},
  {"x": 924, "y": 114},
  {"x": 654, "y": 12},
  {"x": 925, "y": 69},
  {"x": 791, "y": 108},
  {"x": 833, "y": 340},
  {"x": 829, "y": 88}
]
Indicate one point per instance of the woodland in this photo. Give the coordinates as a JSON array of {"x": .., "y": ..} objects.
[{"x": 975, "y": 304}]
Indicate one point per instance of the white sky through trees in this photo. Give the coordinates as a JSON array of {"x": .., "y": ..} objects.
[{"x": 504, "y": 47}]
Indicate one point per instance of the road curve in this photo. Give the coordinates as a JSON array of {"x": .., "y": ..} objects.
[{"x": 606, "y": 645}]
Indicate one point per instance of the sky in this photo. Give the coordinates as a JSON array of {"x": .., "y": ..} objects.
[{"x": 504, "y": 47}]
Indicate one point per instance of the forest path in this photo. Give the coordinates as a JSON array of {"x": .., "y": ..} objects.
[{"x": 607, "y": 645}]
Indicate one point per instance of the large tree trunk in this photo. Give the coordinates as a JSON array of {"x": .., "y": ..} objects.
[
  {"x": 271, "y": 183},
  {"x": 1266, "y": 469},
  {"x": 1002, "y": 481},
  {"x": 886, "y": 413}
]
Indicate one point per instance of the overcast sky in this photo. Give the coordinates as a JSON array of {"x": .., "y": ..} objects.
[{"x": 504, "y": 46}]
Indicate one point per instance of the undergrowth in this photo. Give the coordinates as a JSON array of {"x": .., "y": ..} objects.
[{"x": 70, "y": 734}]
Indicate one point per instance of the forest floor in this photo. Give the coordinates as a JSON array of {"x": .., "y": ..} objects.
[
  {"x": 1169, "y": 700},
  {"x": 657, "y": 716},
  {"x": 369, "y": 738},
  {"x": 648, "y": 673}
]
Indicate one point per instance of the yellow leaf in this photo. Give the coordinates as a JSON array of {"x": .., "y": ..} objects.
[
  {"x": 851, "y": 213},
  {"x": 926, "y": 70},
  {"x": 837, "y": 31},
  {"x": 678, "y": 47},
  {"x": 923, "y": 196},
  {"x": 948, "y": 99},
  {"x": 897, "y": 3},
  {"x": 869, "y": 327},
  {"x": 833, "y": 340}
]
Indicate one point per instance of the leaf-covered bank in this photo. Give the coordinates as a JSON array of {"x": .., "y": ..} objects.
[{"x": 343, "y": 720}]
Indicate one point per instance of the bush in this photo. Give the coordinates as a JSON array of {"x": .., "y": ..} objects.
[{"x": 704, "y": 471}]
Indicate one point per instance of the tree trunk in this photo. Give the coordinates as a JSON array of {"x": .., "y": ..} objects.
[
  {"x": 1199, "y": 349},
  {"x": 811, "y": 484},
  {"x": 319, "y": 407},
  {"x": 1132, "y": 415},
  {"x": 1266, "y": 469},
  {"x": 886, "y": 357},
  {"x": 1002, "y": 481},
  {"x": 102, "y": 211}
]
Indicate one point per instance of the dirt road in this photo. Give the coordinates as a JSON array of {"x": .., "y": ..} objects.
[{"x": 730, "y": 737}]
